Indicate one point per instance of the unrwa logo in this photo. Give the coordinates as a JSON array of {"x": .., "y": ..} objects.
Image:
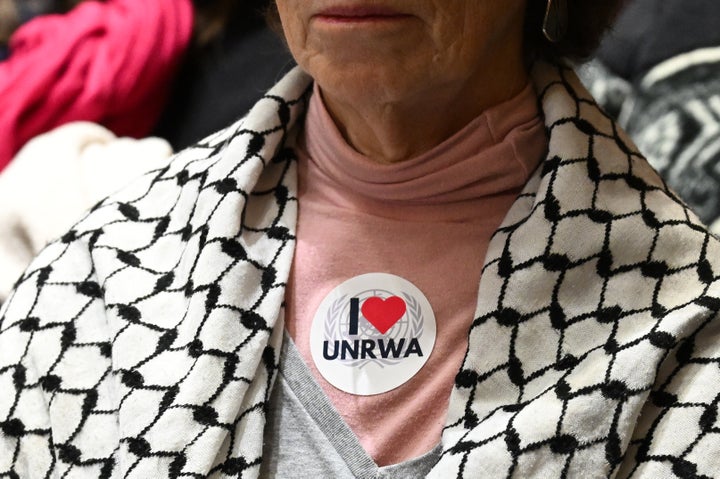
[
  {"x": 373, "y": 326},
  {"x": 372, "y": 333}
]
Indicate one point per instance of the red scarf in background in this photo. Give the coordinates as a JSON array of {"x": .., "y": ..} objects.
[{"x": 109, "y": 63}]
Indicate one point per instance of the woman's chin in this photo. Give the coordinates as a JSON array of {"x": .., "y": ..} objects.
[{"x": 366, "y": 84}]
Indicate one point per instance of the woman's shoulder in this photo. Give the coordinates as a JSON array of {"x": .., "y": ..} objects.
[{"x": 203, "y": 188}]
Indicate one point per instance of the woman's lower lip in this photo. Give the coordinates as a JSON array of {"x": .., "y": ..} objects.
[{"x": 359, "y": 19}]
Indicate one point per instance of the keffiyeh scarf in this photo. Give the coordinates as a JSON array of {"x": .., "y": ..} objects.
[{"x": 145, "y": 341}]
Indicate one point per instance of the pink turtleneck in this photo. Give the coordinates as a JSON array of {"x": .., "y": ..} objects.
[{"x": 429, "y": 220}]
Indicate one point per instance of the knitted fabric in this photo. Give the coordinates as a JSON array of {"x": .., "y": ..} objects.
[
  {"x": 145, "y": 342},
  {"x": 673, "y": 115},
  {"x": 80, "y": 163}
]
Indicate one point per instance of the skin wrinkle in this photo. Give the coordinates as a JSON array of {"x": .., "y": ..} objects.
[{"x": 390, "y": 89}]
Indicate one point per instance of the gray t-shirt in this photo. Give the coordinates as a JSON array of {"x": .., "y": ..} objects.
[{"x": 306, "y": 437}]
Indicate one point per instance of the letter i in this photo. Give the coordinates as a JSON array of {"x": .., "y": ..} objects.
[{"x": 354, "y": 316}]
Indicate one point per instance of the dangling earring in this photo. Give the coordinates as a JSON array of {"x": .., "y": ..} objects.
[{"x": 555, "y": 22}]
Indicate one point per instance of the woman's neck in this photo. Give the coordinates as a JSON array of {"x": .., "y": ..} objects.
[{"x": 392, "y": 131}]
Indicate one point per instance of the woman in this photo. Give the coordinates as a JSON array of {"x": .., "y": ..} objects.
[{"x": 150, "y": 341}]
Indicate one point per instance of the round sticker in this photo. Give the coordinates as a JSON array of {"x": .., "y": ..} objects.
[{"x": 372, "y": 334}]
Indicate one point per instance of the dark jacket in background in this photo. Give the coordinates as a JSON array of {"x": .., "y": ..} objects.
[
  {"x": 658, "y": 73},
  {"x": 649, "y": 32},
  {"x": 219, "y": 83}
]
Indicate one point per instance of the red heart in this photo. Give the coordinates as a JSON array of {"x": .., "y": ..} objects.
[{"x": 383, "y": 313}]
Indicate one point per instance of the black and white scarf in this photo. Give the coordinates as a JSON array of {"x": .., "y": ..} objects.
[
  {"x": 145, "y": 341},
  {"x": 673, "y": 114}
]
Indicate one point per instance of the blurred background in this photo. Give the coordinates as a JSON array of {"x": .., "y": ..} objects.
[{"x": 658, "y": 73}]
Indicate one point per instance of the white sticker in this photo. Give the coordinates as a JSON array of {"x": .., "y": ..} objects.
[{"x": 372, "y": 334}]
